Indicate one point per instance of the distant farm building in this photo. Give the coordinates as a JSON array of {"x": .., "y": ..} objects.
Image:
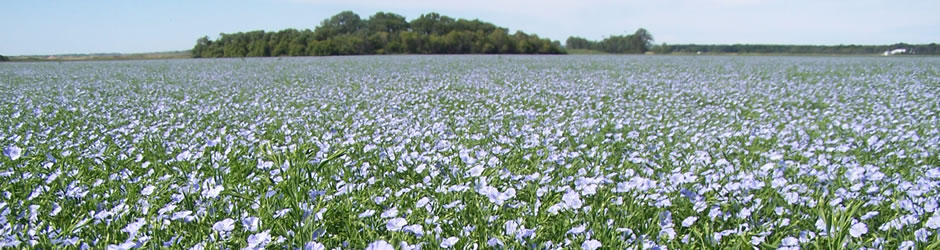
[{"x": 895, "y": 52}]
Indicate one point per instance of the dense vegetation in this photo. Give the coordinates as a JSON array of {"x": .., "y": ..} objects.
[
  {"x": 637, "y": 43},
  {"x": 383, "y": 33},
  {"x": 641, "y": 42},
  {"x": 3, "y": 58},
  {"x": 917, "y": 49}
]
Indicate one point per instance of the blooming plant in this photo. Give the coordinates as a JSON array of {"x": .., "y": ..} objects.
[{"x": 470, "y": 152}]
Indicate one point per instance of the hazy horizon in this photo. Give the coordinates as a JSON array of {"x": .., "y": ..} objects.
[{"x": 65, "y": 27}]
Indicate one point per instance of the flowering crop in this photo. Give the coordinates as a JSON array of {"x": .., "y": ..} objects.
[{"x": 409, "y": 152}]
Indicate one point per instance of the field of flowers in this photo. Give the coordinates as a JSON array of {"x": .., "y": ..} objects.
[{"x": 472, "y": 152}]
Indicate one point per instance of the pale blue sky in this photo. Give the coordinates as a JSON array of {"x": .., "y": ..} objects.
[{"x": 38, "y": 27}]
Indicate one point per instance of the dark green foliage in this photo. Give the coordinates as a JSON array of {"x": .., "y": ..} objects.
[
  {"x": 387, "y": 22},
  {"x": 637, "y": 43},
  {"x": 662, "y": 49},
  {"x": 345, "y": 22},
  {"x": 432, "y": 24},
  {"x": 4, "y": 59},
  {"x": 383, "y": 33},
  {"x": 641, "y": 42},
  {"x": 579, "y": 43}
]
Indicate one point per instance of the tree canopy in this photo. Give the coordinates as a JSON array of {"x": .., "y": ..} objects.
[
  {"x": 4, "y": 59},
  {"x": 347, "y": 33},
  {"x": 642, "y": 41},
  {"x": 637, "y": 43}
]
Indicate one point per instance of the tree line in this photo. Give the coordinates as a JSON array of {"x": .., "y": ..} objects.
[
  {"x": 916, "y": 49},
  {"x": 637, "y": 43},
  {"x": 641, "y": 42},
  {"x": 383, "y": 33},
  {"x": 4, "y": 59}
]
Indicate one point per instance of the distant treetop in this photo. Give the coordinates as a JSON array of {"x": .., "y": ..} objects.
[
  {"x": 382, "y": 33},
  {"x": 641, "y": 42},
  {"x": 637, "y": 43}
]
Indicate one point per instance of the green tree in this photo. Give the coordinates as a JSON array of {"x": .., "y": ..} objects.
[
  {"x": 411, "y": 42},
  {"x": 202, "y": 44},
  {"x": 432, "y": 24},
  {"x": 345, "y": 22},
  {"x": 662, "y": 49},
  {"x": 298, "y": 46},
  {"x": 641, "y": 40},
  {"x": 638, "y": 42},
  {"x": 502, "y": 41},
  {"x": 577, "y": 43},
  {"x": 257, "y": 44},
  {"x": 383, "y": 33},
  {"x": 386, "y": 22},
  {"x": 321, "y": 48},
  {"x": 234, "y": 45}
]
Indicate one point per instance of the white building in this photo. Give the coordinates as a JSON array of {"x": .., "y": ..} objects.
[{"x": 895, "y": 51}]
